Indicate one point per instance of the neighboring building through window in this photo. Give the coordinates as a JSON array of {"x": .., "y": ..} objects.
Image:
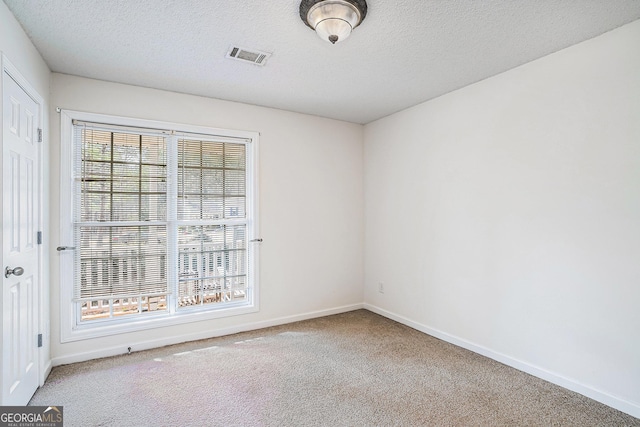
[{"x": 162, "y": 217}]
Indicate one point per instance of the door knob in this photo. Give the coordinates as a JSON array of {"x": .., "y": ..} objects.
[{"x": 15, "y": 271}]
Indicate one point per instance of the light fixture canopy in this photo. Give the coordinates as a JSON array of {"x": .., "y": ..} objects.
[{"x": 333, "y": 20}]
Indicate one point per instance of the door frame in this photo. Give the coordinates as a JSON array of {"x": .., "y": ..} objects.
[{"x": 43, "y": 309}]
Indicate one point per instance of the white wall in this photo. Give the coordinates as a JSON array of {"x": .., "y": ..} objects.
[
  {"x": 15, "y": 44},
  {"x": 311, "y": 207},
  {"x": 505, "y": 217},
  {"x": 21, "y": 53}
]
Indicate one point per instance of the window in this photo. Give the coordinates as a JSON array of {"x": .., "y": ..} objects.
[{"x": 162, "y": 220}]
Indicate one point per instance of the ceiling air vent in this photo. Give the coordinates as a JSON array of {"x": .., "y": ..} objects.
[{"x": 255, "y": 57}]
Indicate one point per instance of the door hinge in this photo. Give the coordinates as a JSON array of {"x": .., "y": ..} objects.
[
  {"x": 39, "y": 237},
  {"x": 39, "y": 135},
  {"x": 39, "y": 340}
]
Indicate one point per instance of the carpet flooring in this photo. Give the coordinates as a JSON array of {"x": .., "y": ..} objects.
[{"x": 352, "y": 369}]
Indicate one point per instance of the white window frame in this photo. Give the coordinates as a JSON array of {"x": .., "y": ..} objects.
[{"x": 70, "y": 328}]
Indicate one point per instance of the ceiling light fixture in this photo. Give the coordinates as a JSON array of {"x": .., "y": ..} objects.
[{"x": 333, "y": 20}]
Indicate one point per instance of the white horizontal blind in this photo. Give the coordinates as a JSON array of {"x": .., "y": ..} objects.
[
  {"x": 120, "y": 213},
  {"x": 211, "y": 180},
  {"x": 158, "y": 213},
  {"x": 161, "y": 216},
  {"x": 212, "y": 230}
]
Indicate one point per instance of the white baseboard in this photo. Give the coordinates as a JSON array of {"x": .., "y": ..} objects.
[
  {"x": 146, "y": 345},
  {"x": 630, "y": 408}
]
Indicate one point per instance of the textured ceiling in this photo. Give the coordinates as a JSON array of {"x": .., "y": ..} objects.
[{"x": 404, "y": 53}]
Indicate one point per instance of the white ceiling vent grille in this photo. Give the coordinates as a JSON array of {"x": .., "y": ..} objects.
[{"x": 252, "y": 56}]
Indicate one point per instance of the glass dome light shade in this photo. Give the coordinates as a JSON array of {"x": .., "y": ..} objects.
[
  {"x": 333, "y": 30},
  {"x": 333, "y": 20}
]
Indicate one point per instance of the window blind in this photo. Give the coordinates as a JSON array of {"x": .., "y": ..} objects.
[
  {"x": 212, "y": 258},
  {"x": 158, "y": 213},
  {"x": 120, "y": 213},
  {"x": 211, "y": 180}
]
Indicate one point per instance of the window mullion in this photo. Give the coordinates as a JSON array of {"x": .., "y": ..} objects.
[
  {"x": 172, "y": 217},
  {"x": 110, "y": 253},
  {"x": 224, "y": 181},
  {"x": 140, "y": 157}
]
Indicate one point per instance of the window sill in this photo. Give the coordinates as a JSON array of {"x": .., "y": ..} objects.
[{"x": 151, "y": 321}]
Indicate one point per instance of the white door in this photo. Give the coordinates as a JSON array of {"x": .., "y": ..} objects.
[{"x": 20, "y": 255}]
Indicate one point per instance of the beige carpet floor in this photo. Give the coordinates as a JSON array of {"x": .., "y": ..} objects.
[{"x": 353, "y": 369}]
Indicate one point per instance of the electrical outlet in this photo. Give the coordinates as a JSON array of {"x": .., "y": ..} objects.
[{"x": 381, "y": 287}]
